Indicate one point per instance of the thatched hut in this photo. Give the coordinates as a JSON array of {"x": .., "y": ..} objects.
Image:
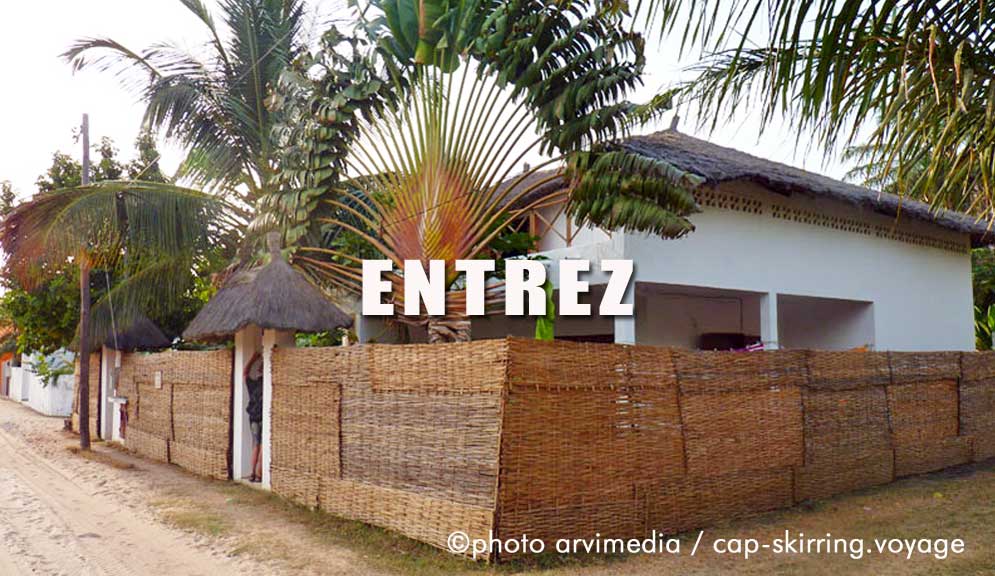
[
  {"x": 274, "y": 296},
  {"x": 262, "y": 308},
  {"x": 142, "y": 334}
]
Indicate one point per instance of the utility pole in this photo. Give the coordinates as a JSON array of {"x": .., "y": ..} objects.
[
  {"x": 86, "y": 149},
  {"x": 84, "y": 312}
]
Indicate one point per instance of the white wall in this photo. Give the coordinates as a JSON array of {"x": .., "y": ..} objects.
[
  {"x": 921, "y": 295},
  {"x": 52, "y": 400},
  {"x": 748, "y": 239},
  {"x": 678, "y": 316},
  {"x": 824, "y": 324}
]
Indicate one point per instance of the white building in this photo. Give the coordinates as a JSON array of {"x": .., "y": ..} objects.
[{"x": 779, "y": 255}]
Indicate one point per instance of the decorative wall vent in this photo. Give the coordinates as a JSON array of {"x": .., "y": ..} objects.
[
  {"x": 712, "y": 198},
  {"x": 715, "y": 199}
]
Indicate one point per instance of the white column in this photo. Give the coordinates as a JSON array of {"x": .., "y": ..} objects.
[
  {"x": 271, "y": 340},
  {"x": 106, "y": 425},
  {"x": 768, "y": 321},
  {"x": 238, "y": 406},
  {"x": 246, "y": 344},
  {"x": 362, "y": 327},
  {"x": 625, "y": 326}
]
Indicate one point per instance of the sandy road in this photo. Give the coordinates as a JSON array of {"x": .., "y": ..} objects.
[{"x": 57, "y": 520}]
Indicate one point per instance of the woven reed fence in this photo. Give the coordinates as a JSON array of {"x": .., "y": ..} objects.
[
  {"x": 568, "y": 440},
  {"x": 404, "y": 437},
  {"x": 625, "y": 440},
  {"x": 181, "y": 416},
  {"x": 94, "y": 395}
]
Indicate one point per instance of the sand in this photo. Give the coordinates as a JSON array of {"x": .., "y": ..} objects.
[{"x": 61, "y": 514}]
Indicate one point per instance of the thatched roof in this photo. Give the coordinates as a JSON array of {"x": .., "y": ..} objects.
[
  {"x": 143, "y": 334},
  {"x": 720, "y": 164},
  {"x": 272, "y": 296},
  {"x": 540, "y": 191}
]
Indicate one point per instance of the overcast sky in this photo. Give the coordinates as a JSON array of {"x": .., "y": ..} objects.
[{"x": 41, "y": 100}]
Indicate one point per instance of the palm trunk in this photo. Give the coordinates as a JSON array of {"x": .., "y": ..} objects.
[
  {"x": 448, "y": 329},
  {"x": 84, "y": 353}
]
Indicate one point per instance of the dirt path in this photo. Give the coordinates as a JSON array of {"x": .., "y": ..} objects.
[
  {"x": 57, "y": 521},
  {"x": 61, "y": 514}
]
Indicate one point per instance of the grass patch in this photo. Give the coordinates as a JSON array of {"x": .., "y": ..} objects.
[
  {"x": 184, "y": 515},
  {"x": 100, "y": 457},
  {"x": 389, "y": 550}
]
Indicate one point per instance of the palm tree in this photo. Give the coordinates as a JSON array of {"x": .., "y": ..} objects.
[
  {"x": 918, "y": 76},
  {"x": 414, "y": 163},
  {"x": 213, "y": 105},
  {"x": 154, "y": 230}
]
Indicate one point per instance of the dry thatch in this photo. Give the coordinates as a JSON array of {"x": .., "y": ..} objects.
[
  {"x": 272, "y": 296},
  {"x": 540, "y": 191},
  {"x": 143, "y": 334},
  {"x": 720, "y": 164}
]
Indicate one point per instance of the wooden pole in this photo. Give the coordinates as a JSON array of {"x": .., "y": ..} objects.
[{"x": 84, "y": 313}]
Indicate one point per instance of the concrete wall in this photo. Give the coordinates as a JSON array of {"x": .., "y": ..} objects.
[
  {"x": 916, "y": 277},
  {"x": 52, "y": 400},
  {"x": 824, "y": 324},
  {"x": 897, "y": 285},
  {"x": 676, "y": 316}
]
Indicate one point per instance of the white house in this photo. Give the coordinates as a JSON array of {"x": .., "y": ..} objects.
[{"x": 780, "y": 255}]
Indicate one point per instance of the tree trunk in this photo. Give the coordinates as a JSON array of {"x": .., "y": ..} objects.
[
  {"x": 84, "y": 356},
  {"x": 447, "y": 329}
]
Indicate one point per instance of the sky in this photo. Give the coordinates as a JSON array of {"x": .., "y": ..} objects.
[{"x": 42, "y": 100}]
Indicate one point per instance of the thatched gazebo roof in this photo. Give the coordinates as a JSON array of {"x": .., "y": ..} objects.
[
  {"x": 274, "y": 296},
  {"x": 143, "y": 334}
]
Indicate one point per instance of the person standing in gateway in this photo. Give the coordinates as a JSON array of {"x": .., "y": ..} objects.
[{"x": 254, "y": 382}]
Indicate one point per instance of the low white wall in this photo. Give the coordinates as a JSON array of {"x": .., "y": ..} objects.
[
  {"x": 55, "y": 399},
  {"x": 18, "y": 391}
]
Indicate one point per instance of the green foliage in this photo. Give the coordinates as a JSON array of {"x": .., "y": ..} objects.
[
  {"x": 151, "y": 233},
  {"x": 45, "y": 317},
  {"x": 50, "y": 371},
  {"x": 212, "y": 102},
  {"x": 561, "y": 70},
  {"x": 67, "y": 172},
  {"x": 145, "y": 166},
  {"x": 45, "y": 310},
  {"x": 322, "y": 99},
  {"x": 984, "y": 327},
  {"x": 323, "y": 339},
  {"x": 7, "y": 197},
  {"x": 913, "y": 82},
  {"x": 983, "y": 274},
  {"x": 545, "y": 325}
]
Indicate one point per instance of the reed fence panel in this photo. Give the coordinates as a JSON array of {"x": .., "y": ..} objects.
[
  {"x": 977, "y": 402},
  {"x": 93, "y": 395},
  {"x": 179, "y": 406},
  {"x": 404, "y": 437},
  {"x": 568, "y": 440},
  {"x": 201, "y": 409}
]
